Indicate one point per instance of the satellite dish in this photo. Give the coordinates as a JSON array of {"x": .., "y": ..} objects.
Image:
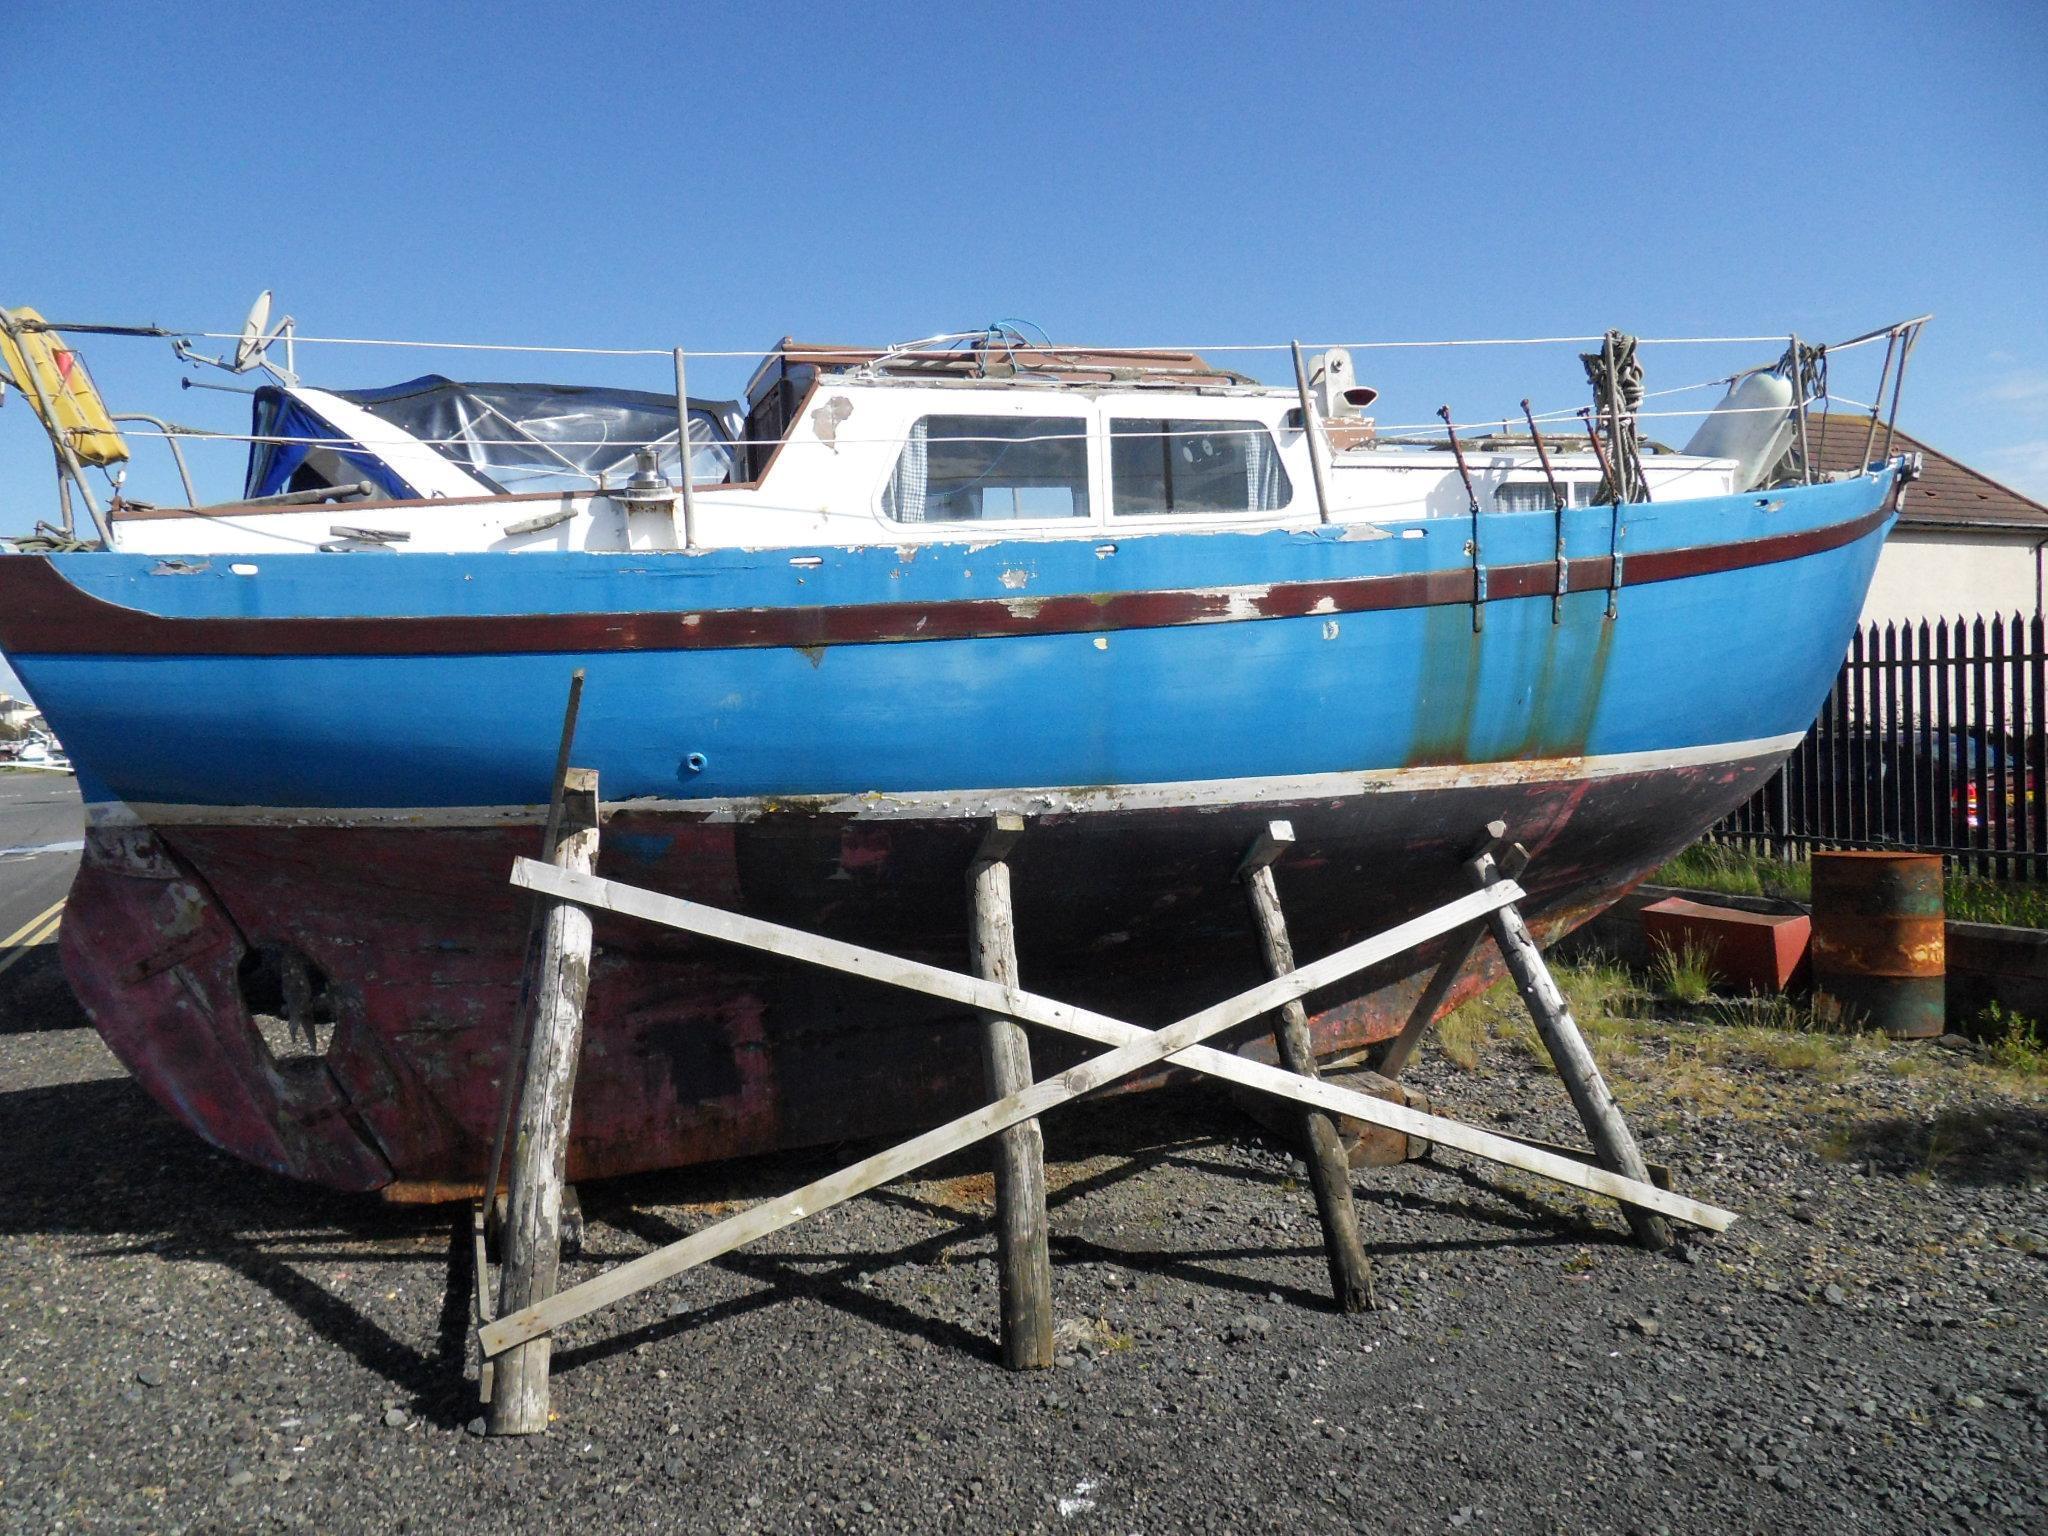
[{"x": 249, "y": 350}]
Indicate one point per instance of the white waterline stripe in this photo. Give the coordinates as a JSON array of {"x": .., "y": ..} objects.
[{"x": 964, "y": 804}]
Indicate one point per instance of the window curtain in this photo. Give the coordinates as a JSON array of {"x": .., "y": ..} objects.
[
  {"x": 912, "y": 473},
  {"x": 1261, "y": 471}
]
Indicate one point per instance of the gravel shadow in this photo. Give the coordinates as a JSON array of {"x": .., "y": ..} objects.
[
  {"x": 2005, "y": 1144},
  {"x": 35, "y": 997}
]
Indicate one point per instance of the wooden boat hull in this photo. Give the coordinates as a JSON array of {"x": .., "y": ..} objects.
[{"x": 695, "y": 1051}]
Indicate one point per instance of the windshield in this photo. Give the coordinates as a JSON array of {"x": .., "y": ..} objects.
[{"x": 535, "y": 437}]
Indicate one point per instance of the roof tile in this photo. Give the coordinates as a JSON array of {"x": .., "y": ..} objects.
[{"x": 1948, "y": 491}]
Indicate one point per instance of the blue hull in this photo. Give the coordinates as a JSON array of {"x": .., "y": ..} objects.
[{"x": 1742, "y": 654}]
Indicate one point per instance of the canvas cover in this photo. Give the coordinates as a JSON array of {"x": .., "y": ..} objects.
[{"x": 513, "y": 437}]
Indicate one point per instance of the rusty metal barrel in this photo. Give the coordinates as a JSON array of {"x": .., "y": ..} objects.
[{"x": 1880, "y": 947}]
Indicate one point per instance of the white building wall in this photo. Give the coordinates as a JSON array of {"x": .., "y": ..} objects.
[{"x": 1937, "y": 574}]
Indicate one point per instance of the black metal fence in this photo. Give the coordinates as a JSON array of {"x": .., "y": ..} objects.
[{"x": 1935, "y": 738}]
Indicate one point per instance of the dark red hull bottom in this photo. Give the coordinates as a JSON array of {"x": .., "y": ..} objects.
[{"x": 696, "y": 1051}]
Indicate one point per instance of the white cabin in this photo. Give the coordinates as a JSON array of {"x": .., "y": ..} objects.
[{"x": 834, "y": 446}]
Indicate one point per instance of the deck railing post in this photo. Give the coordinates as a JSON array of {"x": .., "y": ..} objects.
[
  {"x": 1322, "y": 1148},
  {"x": 533, "y": 1220},
  {"x": 1023, "y": 1262},
  {"x": 683, "y": 455},
  {"x": 1310, "y": 437},
  {"x": 1558, "y": 503}
]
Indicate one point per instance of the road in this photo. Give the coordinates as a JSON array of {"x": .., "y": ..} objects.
[{"x": 41, "y": 824}]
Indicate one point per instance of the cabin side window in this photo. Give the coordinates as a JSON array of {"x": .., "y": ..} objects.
[
  {"x": 966, "y": 469},
  {"x": 1534, "y": 495},
  {"x": 778, "y": 389},
  {"x": 1522, "y": 496},
  {"x": 1163, "y": 467}
]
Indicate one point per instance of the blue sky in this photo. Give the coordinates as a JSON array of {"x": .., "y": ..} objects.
[{"x": 716, "y": 177}]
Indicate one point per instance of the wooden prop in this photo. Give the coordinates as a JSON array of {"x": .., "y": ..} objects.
[
  {"x": 550, "y": 830},
  {"x": 533, "y": 1222},
  {"x": 485, "y": 1212},
  {"x": 1365, "y": 1146},
  {"x": 1329, "y": 1169},
  {"x": 1394, "y": 1059},
  {"x": 1023, "y": 1261},
  {"x": 1137, "y": 1049},
  {"x": 1609, "y": 1132}
]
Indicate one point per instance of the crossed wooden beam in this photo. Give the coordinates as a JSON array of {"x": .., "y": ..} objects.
[{"x": 1133, "y": 1049}]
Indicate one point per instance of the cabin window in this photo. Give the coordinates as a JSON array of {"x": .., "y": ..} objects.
[
  {"x": 1522, "y": 496},
  {"x": 965, "y": 469},
  {"x": 1161, "y": 467},
  {"x": 1534, "y": 495},
  {"x": 778, "y": 388}
]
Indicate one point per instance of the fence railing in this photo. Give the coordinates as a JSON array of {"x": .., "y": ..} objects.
[{"x": 1935, "y": 738}]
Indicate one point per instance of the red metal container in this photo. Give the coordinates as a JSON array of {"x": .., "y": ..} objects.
[{"x": 1747, "y": 951}]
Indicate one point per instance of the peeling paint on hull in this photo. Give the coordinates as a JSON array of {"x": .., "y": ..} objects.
[{"x": 695, "y": 1051}]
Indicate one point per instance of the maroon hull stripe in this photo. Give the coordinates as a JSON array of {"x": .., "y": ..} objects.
[{"x": 43, "y": 614}]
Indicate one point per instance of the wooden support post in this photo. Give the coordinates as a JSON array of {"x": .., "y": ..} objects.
[
  {"x": 1135, "y": 1050},
  {"x": 1402, "y": 1047},
  {"x": 533, "y": 1226},
  {"x": 480, "y": 1310},
  {"x": 1612, "y": 1144},
  {"x": 515, "y": 1066},
  {"x": 1023, "y": 1263},
  {"x": 1394, "y": 1059},
  {"x": 1329, "y": 1170},
  {"x": 572, "y": 1220}
]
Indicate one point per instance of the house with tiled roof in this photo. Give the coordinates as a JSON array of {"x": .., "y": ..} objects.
[
  {"x": 18, "y": 718},
  {"x": 1964, "y": 544}
]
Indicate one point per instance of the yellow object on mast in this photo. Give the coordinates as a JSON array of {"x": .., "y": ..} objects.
[{"x": 52, "y": 378}]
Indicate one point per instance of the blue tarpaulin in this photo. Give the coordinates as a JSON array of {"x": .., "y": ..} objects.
[{"x": 273, "y": 465}]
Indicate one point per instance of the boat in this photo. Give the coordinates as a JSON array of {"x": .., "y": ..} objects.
[
  {"x": 34, "y": 753},
  {"x": 1148, "y": 603}
]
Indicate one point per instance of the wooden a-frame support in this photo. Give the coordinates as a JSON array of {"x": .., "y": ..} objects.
[
  {"x": 1134, "y": 1050},
  {"x": 1322, "y": 1149},
  {"x": 1612, "y": 1143}
]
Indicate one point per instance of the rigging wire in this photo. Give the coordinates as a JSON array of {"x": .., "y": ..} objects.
[{"x": 767, "y": 352}]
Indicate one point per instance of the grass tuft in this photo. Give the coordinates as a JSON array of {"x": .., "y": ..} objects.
[
  {"x": 1462, "y": 1034},
  {"x": 2012, "y": 1042},
  {"x": 1980, "y": 899},
  {"x": 1683, "y": 972},
  {"x": 1735, "y": 871}
]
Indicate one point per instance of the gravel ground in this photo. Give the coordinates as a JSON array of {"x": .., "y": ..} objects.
[{"x": 188, "y": 1344}]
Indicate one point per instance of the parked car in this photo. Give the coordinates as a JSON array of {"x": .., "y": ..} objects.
[{"x": 1860, "y": 783}]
